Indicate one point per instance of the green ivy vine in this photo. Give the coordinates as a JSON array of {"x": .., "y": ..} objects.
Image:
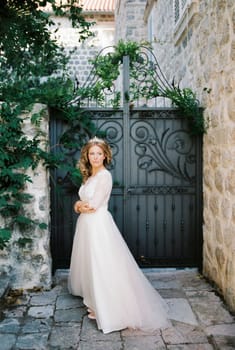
[
  {"x": 106, "y": 68},
  {"x": 33, "y": 69}
]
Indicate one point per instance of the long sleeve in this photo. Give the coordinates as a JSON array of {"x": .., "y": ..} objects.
[{"x": 102, "y": 190}]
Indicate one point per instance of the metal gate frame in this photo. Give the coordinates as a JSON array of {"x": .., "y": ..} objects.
[{"x": 61, "y": 246}]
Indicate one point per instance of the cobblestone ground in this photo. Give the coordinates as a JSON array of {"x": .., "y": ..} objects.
[{"x": 56, "y": 320}]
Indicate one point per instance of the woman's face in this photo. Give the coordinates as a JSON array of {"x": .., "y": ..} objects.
[{"x": 96, "y": 157}]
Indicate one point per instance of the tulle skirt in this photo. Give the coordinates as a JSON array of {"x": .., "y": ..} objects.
[{"x": 104, "y": 273}]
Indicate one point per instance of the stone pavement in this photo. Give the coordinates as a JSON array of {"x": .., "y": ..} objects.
[{"x": 56, "y": 320}]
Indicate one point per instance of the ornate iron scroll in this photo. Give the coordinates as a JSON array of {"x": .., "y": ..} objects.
[{"x": 170, "y": 152}]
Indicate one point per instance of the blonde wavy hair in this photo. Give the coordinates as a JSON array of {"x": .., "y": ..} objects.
[{"x": 84, "y": 164}]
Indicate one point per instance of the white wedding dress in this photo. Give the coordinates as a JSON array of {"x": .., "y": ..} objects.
[{"x": 103, "y": 271}]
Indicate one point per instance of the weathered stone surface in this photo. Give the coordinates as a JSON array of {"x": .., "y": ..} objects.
[
  {"x": 220, "y": 257},
  {"x": 191, "y": 347},
  {"x": 9, "y": 325},
  {"x": 100, "y": 345},
  {"x": 37, "y": 326},
  {"x": 207, "y": 296},
  {"x": 210, "y": 313},
  {"x": 44, "y": 298},
  {"x": 230, "y": 183},
  {"x": 171, "y": 293},
  {"x": 174, "y": 284},
  {"x": 7, "y": 341},
  {"x": 144, "y": 342},
  {"x": 193, "y": 282},
  {"x": 65, "y": 337},
  {"x": 32, "y": 341},
  {"x": 90, "y": 333},
  {"x": 69, "y": 315},
  {"x": 192, "y": 334},
  {"x": 173, "y": 336},
  {"x": 41, "y": 311},
  {"x": 180, "y": 310},
  {"x": 68, "y": 301},
  {"x": 219, "y": 180},
  {"x": 64, "y": 330},
  {"x": 224, "y": 342},
  {"x": 214, "y": 204},
  {"x": 221, "y": 329},
  {"x": 15, "y": 312},
  {"x": 137, "y": 333}
]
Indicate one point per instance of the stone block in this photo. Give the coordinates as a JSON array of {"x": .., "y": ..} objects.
[
  {"x": 32, "y": 341},
  {"x": 173, "y": 336},
  {"x": 219, "y": 180},
  {"x": 143, "y": 343},
  {"x": 219, "y": 253},
  {"x": 7, "y": 341},
  {"x": 41, "y": 311},
  {"x": 230, "y": 182},
  {"x": 232, "y": 54},
  {"x": 224, "y": 342},
  {"x": 226, "y": 329},
  {"x": 9, "y": 325},
  {"x": 191, "y": 347},
  {"x": 36, "y": 326},
  {"x": 91, "y": 333},
  {"x": 210, "y": 313},
  {"x": 191, "y": 334},
  {"x": 100, "y": 345},
  {"x": 69, "y": 315},
  {"x": 180, "y": 310},
  {"x": 68, "y": 301},
  {"x": 15, "y": 312},
  {"x": 44, "y": 298},
  {"x": 214, "y": 205},
  {"x": 65, "y": 337}
]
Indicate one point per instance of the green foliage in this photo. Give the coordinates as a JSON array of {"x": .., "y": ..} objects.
[
  {"x": 25, "y": 36},
  {"x": 188, "y": 105},
  {"x": 18, "y": 153},
  {"x": 32, "y": 69},
  {"x": 5, "y": 235},
  {"x": 106, "y": 67},
  {"x": 23, "y": 241}
]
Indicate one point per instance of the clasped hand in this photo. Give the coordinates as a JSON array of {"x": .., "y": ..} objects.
[{"x": 83, "y": 207}]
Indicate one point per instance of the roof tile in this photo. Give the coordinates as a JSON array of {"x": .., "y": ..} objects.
[{"x": 98, "y": 5}]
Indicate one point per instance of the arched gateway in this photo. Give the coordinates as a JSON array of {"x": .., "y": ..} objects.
[{"x": 157, "y": 172}]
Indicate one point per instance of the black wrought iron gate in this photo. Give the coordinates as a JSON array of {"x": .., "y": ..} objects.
[
  {"x": 157, "y": 187},
  {"x": 156, "y": 198}
]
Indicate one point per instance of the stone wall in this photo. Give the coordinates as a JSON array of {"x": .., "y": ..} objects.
[
  {"x": 81, "y": 53},
  {"x": 129, "y": 21},
  {"x": 31, "y": 266},
  {"x": 200, "y": 54}
]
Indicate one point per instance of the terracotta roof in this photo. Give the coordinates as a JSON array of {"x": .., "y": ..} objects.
[
  {"x": 98, "y": 5},
  {"x": 91, "y": 6}
]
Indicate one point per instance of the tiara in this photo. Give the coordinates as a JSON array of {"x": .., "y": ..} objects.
[{"x": 96, "y": 139}]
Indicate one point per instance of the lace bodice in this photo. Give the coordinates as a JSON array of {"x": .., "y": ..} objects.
[{"x": 97, "y": 189}]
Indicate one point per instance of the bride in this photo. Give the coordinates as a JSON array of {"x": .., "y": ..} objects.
[{"x": 102, "y": 270}]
